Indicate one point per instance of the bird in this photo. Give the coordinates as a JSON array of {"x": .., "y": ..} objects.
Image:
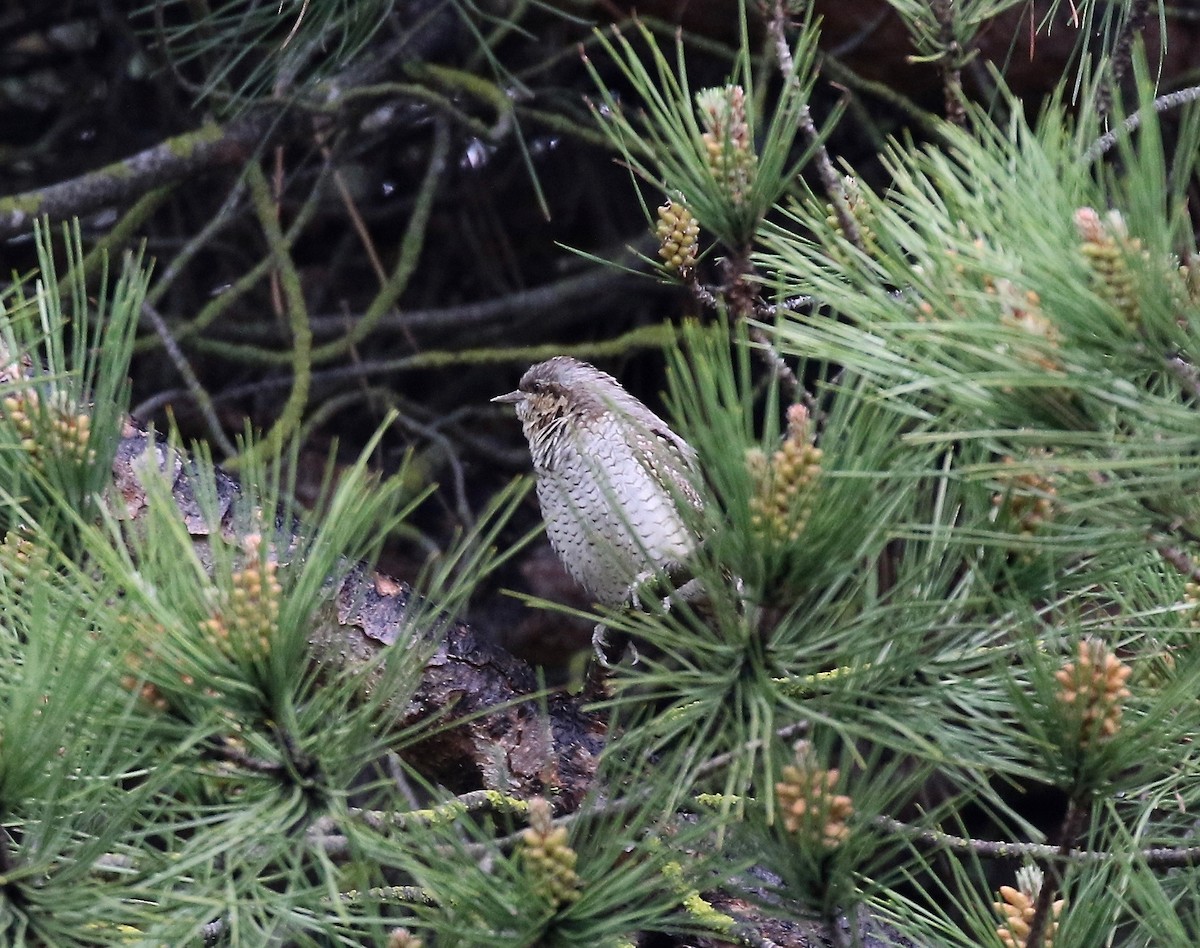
[{"x": 616, "y": 485}]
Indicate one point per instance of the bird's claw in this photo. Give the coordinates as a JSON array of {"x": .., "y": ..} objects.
[
  {"x": 642, "y": 579},
  {"x": 600, "y": 646}
]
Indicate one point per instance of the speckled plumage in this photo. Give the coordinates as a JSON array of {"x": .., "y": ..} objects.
[{"x": 610, "y": 477}]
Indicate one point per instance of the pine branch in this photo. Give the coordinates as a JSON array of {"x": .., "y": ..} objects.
[
  {"x": 544, "y": 745},
  {"x": 1156, "y": 857},
  {"x": 1163, "y": 103},
  {"x": 1183, "y": 564},
  {"x": 777, "y": 24},
  {"x": 1122, "y": 54},
  {"x": 210, "y": 146},
  {"x": 950, "y": 61},
  {"x": 176, "y": 159}
]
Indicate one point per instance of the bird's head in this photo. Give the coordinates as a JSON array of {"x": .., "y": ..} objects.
[{"x": 563, "y": 387}]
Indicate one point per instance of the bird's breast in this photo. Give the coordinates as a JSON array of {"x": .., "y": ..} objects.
[{"x": 608, "y": 516}]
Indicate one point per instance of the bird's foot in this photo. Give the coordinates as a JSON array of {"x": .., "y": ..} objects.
[
  {"x": 603, "y": 649},
  {"x": 647, "y": 579},
  {"x": 600, "y": 644}
]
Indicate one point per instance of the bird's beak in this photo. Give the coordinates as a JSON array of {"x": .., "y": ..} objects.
[{"x": 510, "y": 399}]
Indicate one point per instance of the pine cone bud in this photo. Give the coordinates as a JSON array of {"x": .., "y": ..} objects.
[
  {"x": 548, "y": 857},
  {"x": 1017, "y": 907},
  {"x": 147, "y": 633},
  {"x": 785, "y": 484},
  {"x": 810, "y": 808},
  {"x": 860, "y": 211},
  {"x": 1023, "y": 310},
  {"x": 55, "y": 428},
  {"x": 677, "y": 233},
  {"x": 1107, "y": 247},
  {"x": 1189, "y": 272},
  {"x": 244, "y": 623},
  {"x": 1191, "y": 598},
  {"x": 1028, "y": 500},
  {"x": 22, "y": 557},
  {"x": 402, "y": 938},
  {"x": 1093, "y": 688},
  {"x": 729, "y": 149},
  {"x": 17, "y": 409}
]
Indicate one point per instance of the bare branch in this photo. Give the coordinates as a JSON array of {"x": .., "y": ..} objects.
[
  {"x": 830, "y": 180},
  {"x": 1155, "y": 857},
  {"x": 1172, "y": 100},
  {"x": 184, "y": 156},
  {"x": 1122, "y": 54}
]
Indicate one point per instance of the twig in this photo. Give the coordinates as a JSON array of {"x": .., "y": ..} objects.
[
  {"x": 410, "y": 251},
  {"x": 769, "y": 354},
  {"x": 1122, "y": 54},
  {"x": 127, "y": 229},
  {"x": 183, "y": 156},
  {"x": 950, "y": 62},
  {"x": 643, "y": 337},
  {"x": 1052, "y": 880},
  {"x": 704, "y": 295},
  {"x": 783, "y": 52},
  {"x": 763, "y": 346},
  {"x": 1186, "y": 373},
  {"x": 830, "y": 180},
  {"x": 228, "y": 752},
  {"x": 1154, "y": 857},
  {"x": 720, "y": 761},
  {"x": 458, "y": 475},
  {"x": 199, "y": 394},
  {"x": 197, "y": 243},
  {"x": 296, "y": 310},
  {"x": 210, "y": 146},
  {"x": 792, "y": 304},
  {"x": 521, "y": 306},
  {"x": 1171, "y": 100},
  {"x": 474, "y": 801},
  {"x": 364, "y": 235},
  {"x": 1183, "y": 563},
  {"x": 397, "y": 894},
  {"x": 213, "y": 309}
]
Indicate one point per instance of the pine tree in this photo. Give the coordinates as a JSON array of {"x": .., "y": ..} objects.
[{"x": 942, "y": 689}]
